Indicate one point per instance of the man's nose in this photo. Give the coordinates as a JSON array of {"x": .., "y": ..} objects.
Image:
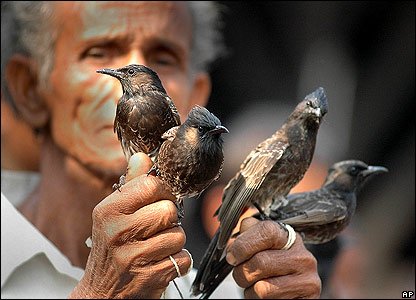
[{"x": 136, "y": 57}]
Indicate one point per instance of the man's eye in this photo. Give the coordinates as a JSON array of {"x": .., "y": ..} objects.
[
  {"x": 101, "y": 53},
  {"x": 96, "y": 52},
  {"x": 163, "y": 59}
]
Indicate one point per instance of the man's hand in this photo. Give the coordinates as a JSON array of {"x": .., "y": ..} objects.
[
  {"x": 266, "y": 271},
  {"x": 134, "y": 232}
]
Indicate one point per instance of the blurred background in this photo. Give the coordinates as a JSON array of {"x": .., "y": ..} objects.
[{"x": 363, "y": 54}]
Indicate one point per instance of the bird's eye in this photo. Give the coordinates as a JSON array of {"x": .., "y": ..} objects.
[
  {"x": 309, "y": 103},
  {"x": 200, "y": 129},
  {"x": 354, "y": 171},
  {"x": 131, "y": 71}
]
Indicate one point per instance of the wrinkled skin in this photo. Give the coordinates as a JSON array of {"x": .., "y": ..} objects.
[
  {"x": 267, "y": 272},
  {"x": 134, "y": 232},
  {"x": 81, "y": 158}
]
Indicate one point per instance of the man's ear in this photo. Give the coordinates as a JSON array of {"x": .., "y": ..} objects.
[
  {"x": 22, "y": 80},
  {"x": 201, "y": 89}
]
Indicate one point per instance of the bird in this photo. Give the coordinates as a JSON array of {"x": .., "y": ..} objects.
[
  {"x": 265, "y": 177},
  {"x": 191, "y": 156},
  {"x": 320, "y": 215},
  {"x": 144, "y": 112}
]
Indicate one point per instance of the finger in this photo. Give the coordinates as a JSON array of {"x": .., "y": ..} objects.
[
  {"x": 164, "y": 271},
  {"x": 270, "y": 263},
  {"x": 135, "y": 194},
  {"x": 139, "y": 164},
  {"x": 184, "y": 261},
  {"x": 156, "y": 277},
  {"x": 285, "y": 287},
  {"x": 246, "y": 223},
  {"x": 147, "y": 252},
  {"x": 148, "y": 220},
  {"x": 258, "y": 237}
]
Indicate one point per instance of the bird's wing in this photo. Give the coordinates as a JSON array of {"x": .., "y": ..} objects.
[
  {"x": 239, "y": 191},
  {"x": 237, "y": 196},
  {"x": 127, "y": 114},
  {"x": 170, "y": 133},
  {"x": 175, "y": 112},
  {"x": 315, "y": 208}
]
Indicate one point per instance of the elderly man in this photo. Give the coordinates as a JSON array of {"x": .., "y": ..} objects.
[{"x": 49, "y": 70}]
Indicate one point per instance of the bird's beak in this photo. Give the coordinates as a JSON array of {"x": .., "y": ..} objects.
[
  {"x": 371, "y": 170},
  {"x": 218, "y": 130},
  {"x": 111, "y": 72}
]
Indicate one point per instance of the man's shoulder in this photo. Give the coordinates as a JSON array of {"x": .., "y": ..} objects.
[
  {"x": 28, "y": 257},
  {"x": 16, "y": 185}
]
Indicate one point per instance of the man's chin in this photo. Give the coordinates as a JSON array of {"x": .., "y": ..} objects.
[
  {"x": 109, "y": 169},
  {"x": 104, "y": 168}
]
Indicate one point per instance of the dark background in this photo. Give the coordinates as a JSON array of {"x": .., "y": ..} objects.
[{"x": 363, "y": 54}]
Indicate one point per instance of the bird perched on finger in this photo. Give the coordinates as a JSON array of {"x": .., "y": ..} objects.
[
  {"x": 191, "y": 156},
  {"x": 144, "y": 111},
  {"x": 268, "y": 173},
  {"x": 320, "y": 215}
]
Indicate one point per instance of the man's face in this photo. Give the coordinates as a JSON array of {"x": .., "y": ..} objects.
[{"x": 96, "y": 35}]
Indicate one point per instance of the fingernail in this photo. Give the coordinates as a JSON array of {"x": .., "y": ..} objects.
[{"x": 231, "y": 259}]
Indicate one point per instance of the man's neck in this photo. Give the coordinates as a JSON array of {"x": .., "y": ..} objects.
[{"x": 62, "y": 204}]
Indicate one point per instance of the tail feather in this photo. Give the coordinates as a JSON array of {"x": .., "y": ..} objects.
[
  {"x": 211, "y": 257},
  {"x": 218, "y": 274},
  {"x": 212, "y": 271}
]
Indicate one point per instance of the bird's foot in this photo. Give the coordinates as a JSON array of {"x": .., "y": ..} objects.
[
  {"x": 153, "y": 170},
  {"x": 281, "y": 224},
  {"x": 121, "y": 182},
  {"x": 263, "y": 215}
]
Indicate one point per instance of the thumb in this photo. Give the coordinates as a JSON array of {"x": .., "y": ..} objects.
[
  {"x": 247, "y": 223},
  {"x": 139, "y": 164}
]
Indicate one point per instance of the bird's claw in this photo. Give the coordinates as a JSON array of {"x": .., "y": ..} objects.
[
  {"x": 176, "y": 224},
  {"x": 263, "y": 215},
  {"x": 121, "y": 182},
  {"x": 281, "y": 224},
  {"x": 155, "y": 170}
]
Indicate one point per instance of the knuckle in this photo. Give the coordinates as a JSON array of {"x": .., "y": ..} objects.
[
  {"x": 240, "y": 278},
  {"x": 262, "y": 288},
  {"x": 184, "y": 262},
  {"x": 120, "y": 260},
  {"x": 309, "y": 261},
  {"x": 170, "y": 210},
  {"x": 181, "y": 236},
  {"x": 268, "y": 230},
  {"x": 175, "y": 238},
  {"x": 259, "y": 261},
  {"x": 313, "y": 261},
  {"x": 271, "y": 232},
  {"x": 98, "y": 212},
  {"x": 103, "y": 224},
  {"x": 252, "y": 270},
  {"x": 312, "y": 288},
  {"x": 152, "y": 187},
  {"x": 148, "y": 186},
  {"x": 317, "y": 287}
]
